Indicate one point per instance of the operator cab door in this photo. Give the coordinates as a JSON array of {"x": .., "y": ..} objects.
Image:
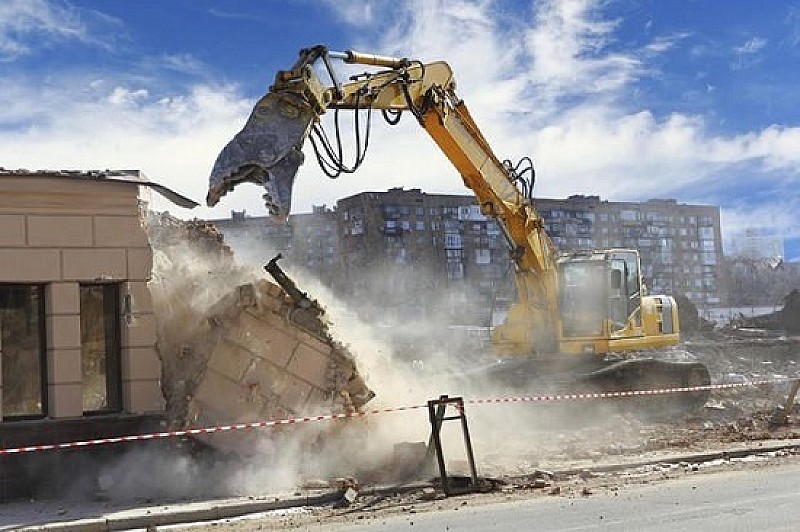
[
  {"x": 625, "y": 290},
  {"x": 583, "y": 293}
]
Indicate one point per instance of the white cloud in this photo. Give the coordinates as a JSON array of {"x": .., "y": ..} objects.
[
  {"x": 28, "y": 25},
  {"x": 185, "y": 63},
  {"x": 124, "y": 96},
  {"x": 354, "y": 12},
  {"x": 748, "y": 54},
  {"x": 752, "y": 46},
  {"x": 172, "y": 139},
  {"x": 560, "y": 93},
  {"x": 663, "y": 44},
  {"x": 793, "y": 24}
]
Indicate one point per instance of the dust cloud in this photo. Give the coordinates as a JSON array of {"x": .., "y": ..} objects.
[
  {"x": 408, "y": 362},
  {"x": 193, "y": 269}
]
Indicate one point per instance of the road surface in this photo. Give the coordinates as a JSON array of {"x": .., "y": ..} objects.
[{"x": 761, "y": 499}]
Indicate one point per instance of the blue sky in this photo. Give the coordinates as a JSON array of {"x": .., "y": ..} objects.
[{"x": 628, "y": 99}]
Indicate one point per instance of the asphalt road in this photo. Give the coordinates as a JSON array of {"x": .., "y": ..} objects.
[{"x": 760, "y": 499}]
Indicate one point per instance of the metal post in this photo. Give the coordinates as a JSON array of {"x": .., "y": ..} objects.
[
  {"x": 783, "y": 413},
  {"x": 789, "y": 407},
  {"x": 436, "y": 414},
  {"x": 468, "y": 443},
  {"x": 436, "y": 427}
]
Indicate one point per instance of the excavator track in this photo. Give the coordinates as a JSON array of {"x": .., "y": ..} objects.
[
  {"x": 657, "y": 375},
  {"x": 554, "y": 376}
]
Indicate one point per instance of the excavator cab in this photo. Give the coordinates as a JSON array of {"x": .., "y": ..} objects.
[{"x": 603, "y": 307}]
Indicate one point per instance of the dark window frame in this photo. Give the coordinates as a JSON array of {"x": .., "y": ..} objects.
[
  {"x": 41, "y": 316},
  {"x": 112, "y": 292}
]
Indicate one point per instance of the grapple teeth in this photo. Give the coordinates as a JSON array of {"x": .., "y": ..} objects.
[{"x": 267, "y": 152}]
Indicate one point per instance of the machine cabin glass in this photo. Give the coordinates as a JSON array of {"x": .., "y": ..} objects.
[
  {"x": 584, "y": 295},
  {"x": 625, "y": 289}
]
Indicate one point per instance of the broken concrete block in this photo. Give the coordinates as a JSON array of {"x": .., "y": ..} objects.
[{"x": 428, "y": 494}]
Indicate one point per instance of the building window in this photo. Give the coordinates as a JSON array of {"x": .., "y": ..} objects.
[
  {"x": 483, "y": 256},
  {"x": 455, "y": 270},
  {"x": 706, "y": 232},
  {"x": 452, "y": 241},
  {"x": 100, "y": 347},
  {"x": 22, "y": 351},
  {"x": 454, "y": 255}
]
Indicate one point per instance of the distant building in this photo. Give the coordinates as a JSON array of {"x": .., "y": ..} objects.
[
  {"x": 433, "y": 244},
  {"x": 756, "y": 243},
  {"x": 437, "y": 252},
  {"x": 309, "y": 240},
  {"x": 680, "y": 245}
]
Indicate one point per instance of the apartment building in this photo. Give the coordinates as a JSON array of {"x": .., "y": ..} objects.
[
  {"x": 680, "y": 244},
  {"x": 309, "y": 240},
  {"x": 438, "y": 253},
  {"x": 444, "y": 237}
]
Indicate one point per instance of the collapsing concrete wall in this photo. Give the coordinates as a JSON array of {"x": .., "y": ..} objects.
[{"x": 236, "y": 348}]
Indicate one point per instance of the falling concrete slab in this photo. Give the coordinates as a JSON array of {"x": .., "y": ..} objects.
[{"x": 239, "y": 349}]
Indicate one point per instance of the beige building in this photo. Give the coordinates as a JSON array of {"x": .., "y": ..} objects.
[{"x": 78, "y": 342}]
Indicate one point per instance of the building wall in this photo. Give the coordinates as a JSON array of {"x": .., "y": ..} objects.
[
  {"x": 444, "y": 234},
  {"x": 62, "y": 232},
  {"x": 308, "y": 240},
  {"x": 680, "y": 244}
]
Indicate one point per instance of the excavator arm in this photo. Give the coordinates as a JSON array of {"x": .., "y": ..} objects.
[{"x": 268, "y": 152}]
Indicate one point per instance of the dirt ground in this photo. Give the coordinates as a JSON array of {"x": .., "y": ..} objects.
[{"x": 515, "y": 446}]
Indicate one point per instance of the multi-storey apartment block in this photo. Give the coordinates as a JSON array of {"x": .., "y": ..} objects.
[
  {"x": 309, "y": 240},
  {"x": 435, "y": 252},
  {"x": 415, "y": 248},
  {"x": 680, "y": 244}
]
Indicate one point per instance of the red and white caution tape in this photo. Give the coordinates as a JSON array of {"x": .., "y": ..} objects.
[
  {"x": 627, "y": 393},
  {"x": 201, "y": 430},
  {"x": 349, "y": 415}
]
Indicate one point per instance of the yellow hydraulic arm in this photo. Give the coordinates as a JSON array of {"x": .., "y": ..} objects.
[{"x": 428, "y": 92}]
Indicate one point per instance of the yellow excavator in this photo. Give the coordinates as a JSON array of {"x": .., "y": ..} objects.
[{"x": 574, "y": 309}]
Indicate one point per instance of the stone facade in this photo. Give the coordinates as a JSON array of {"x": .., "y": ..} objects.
[{"x": 63, "y": 232}]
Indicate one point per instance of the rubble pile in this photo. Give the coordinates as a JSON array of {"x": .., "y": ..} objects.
[
  {"x": 239, "y": 348},
  {"x": 236, "y": 348},
  {"x": 787, "y": 319}
]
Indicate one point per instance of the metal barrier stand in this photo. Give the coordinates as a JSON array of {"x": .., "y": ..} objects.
[{"x": 436, "y": 413}]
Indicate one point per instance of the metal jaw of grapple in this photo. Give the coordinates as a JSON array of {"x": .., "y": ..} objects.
[{"x": 267, "y": 152}]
